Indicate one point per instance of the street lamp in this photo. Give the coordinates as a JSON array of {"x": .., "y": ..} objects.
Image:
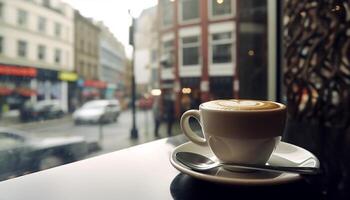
[{"x": 134, "y": 131}]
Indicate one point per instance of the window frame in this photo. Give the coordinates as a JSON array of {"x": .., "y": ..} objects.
[
  {"x": 172, "y": 4},
  {"x": 59, "y": 53},
  {"x": 2, "y": 5},
  {"x": 217, "y": 17},
  {"x": 166, "y": 51},
  {"x": 191, "y": 45},
  {"x": 58, "y": 29},
  {"x": 180, "y": 13},
  {"x": 44, "y": 52},
  {"x": 2, "y": 41},
  {"x": 19, "y": 42},
  {"x": 220, "y": 42},
  {"x": 44, "y": 20},
  {"x": 24, "y": 23}
]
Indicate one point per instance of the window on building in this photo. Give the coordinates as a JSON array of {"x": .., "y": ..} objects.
[
  {"x": 167, "y": 9},
  {"x": 41, "y": 24},
  {"x": 221, "y": 7},
  {"x": 189, "y": 10},
  {"x": 80, "y": 68},
  {"x": 21, "y": 48},
  {"x": 167, "y": 59},
  {"x": 22, "y": 16},
  {"x": 41, "y": 52},
  {"x": 1, "y": 10},
  {"x": 221, "y": 44},
  {"x": 58, "y": 55},
  {"x": 190, "y": 50},
  {"x": 1, "y": 44},
  {"x": 58, "y": 29},
  {"x": 47, "y": 3}
]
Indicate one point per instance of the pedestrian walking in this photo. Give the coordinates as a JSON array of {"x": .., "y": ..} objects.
[
  {"x": 169, "y": 109},
  {"x": 157, "y": 116}
]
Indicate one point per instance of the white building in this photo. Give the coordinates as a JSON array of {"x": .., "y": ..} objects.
[
  {"x": 146, "y": 48},
  {"x": 37, "y": 34},
  {"x": 112, "y": 62}
]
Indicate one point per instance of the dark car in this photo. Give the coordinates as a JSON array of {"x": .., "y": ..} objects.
[
  {"x": 20, "y": 154},
  {"x": 41, "y": 111}
]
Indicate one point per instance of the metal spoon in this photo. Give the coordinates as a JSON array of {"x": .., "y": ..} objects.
[{"x": 199, "y": 162}]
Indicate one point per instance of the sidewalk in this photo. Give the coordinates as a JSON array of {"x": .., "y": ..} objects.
[{"x": 9, "y": 118}]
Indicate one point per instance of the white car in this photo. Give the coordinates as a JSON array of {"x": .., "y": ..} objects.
[{"x": 97, "y": 111}]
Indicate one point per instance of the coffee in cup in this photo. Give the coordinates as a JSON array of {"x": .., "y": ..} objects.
[{"x": 238, "y": 131}]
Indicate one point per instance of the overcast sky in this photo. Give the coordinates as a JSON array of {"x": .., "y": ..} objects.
[{"x": 113, "y": 13}]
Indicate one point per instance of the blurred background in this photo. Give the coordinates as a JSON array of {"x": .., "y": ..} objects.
[{"x": 82, "y": 78}]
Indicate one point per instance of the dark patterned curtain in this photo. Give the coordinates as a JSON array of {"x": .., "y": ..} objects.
[{"x": 317, "y": 80}]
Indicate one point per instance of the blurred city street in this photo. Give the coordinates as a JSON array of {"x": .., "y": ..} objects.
[{"x": 115, "y": 135}]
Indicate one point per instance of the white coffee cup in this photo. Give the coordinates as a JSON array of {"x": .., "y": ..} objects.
[{"x": 238, "y": 131}]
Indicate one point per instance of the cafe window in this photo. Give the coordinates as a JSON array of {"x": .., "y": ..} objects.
[
  {"x": 189, "y": 10},
  {"x": 167, "y": 8},
  {"x": 58, "y": 56},
  {"x": 22, "y": 17},
  {"x": 41, "y": 24},
  {"x": 167, "y": 59},
  {"x": 221, "y": 47},
  {"x": 221, "y": 7},
  {"x": 41, "y": 52},
  {"x": 21, "y": 48},
  {"x": 1, "y": 44},
  {"x": 190, "y": 50},
  {"x": 58, "y": 29}
]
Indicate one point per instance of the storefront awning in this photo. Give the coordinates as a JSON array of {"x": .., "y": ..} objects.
[
  {"x": 5, "y": 91},
  {"x": 95, "y": 84},
  {"x": 68, "y": 76},
  {"x": 10, "y": 70},
  {"x": 26, "y": 92}
]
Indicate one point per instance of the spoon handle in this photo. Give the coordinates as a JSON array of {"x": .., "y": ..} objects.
[{"x": 297, "y": 170}]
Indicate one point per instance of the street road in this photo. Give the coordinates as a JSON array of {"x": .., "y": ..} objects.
[{"x": 115, "y": 135}]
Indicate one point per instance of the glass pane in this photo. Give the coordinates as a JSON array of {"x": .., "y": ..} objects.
[
  {"x": 222, "y": 36},
  {"x": 167, "y": 12},
  {"x": 222, "y": 53},
  {"x": 189, "y": 40},
  {"x": 1, "y": 44},
  {"x": 190, "y": 56},
  {"x": 221, "y": 7},
  {"x": 190, "y": 9}
]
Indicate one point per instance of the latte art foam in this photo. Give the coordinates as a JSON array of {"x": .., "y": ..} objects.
[{"x": 242, "y": 105}]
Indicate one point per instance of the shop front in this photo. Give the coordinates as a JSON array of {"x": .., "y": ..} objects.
[
  {"x": 190, "y": 93},
  {"x": 92, "y": 89},
  {"x": 16, "y": 86},
  {"x": 73, "y": 90},
  {"x": 221, "y": 87}
]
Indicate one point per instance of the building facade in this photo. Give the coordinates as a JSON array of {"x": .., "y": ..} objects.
[
  {"x": 213, "y": 49},
  {"x": 112, "y": 63},
  {"x": 146, "y": 50},
  {"x": 86, "y": 60},
  {"x": 36, "y": 51},
  {"x": 197, "y": 46}
]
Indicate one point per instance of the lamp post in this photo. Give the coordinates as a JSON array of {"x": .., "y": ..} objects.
[{"x": 134, "y": 131}]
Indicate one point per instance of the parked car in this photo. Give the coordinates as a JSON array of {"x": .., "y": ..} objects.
[
  {"x": 21, "y": 154},
  {"x": 97, "y": 111},
  {"x": 42, "y": 110}
]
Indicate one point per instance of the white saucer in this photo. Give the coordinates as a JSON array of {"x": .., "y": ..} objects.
[{"x": 285, "y": 154}]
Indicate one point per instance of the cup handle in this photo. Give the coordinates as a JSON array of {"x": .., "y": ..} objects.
[{"x": 186, "y": 129}]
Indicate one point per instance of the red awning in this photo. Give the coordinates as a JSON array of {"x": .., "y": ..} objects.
[
  {"x": 17, "y": 71},
  {"x": 5, "y": 91},
  {"x": 26, "y": 92},
  {"x": 95, "y": 84}
]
